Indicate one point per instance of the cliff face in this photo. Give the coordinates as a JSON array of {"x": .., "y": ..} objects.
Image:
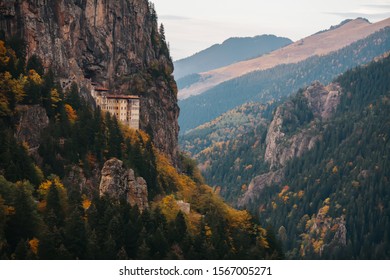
[
  {"x": 115, "y": 43},
  {"x": 322, "y": 102},
  {"x": 118, "y": 183},
  {"x": 282, "y": 146}
]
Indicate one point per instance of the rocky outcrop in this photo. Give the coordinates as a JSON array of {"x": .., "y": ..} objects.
[
  {"x": 257, "y": 186},
  {"x": 184, "y": 206},
  {"x": 119, "y": 184},
  {"x": 138, "y": 191},
  {"x": 322, "y": 102},
  {"x": 281, "y": 147},
  {"x": 32, "y": 121},
  {"x": 114, "y": 43}
]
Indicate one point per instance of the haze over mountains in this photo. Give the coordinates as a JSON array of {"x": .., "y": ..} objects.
[
  {"x": 321, "y": 43},
  {"x": 230, "y": 51},
  {"x": 321, "y": 56}
]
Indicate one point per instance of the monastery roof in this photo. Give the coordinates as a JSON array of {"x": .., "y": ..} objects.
[
  {"x": 122, "y": 96},
  {"x": 101, "y": 89}
]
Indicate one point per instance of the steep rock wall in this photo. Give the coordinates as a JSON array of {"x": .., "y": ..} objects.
[{"x": 115, "y": 43}]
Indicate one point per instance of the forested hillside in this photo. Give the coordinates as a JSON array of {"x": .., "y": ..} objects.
[
  {"x": 330, "y": 200},
  {"x": 278, "y": 82},
  {"x": 53, "y": 145}
]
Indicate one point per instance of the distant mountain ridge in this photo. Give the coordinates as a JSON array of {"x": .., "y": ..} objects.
[
  {"x": 279, "y": 81},
  {"x": 232, "y": 50},
  {"x": 321, "y": 43}
]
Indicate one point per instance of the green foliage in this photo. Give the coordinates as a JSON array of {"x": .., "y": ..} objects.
[
  {"x": 229, "y": 149},
  {"x": 62, "y": 218},
  {"x": 343, "y": 181}
]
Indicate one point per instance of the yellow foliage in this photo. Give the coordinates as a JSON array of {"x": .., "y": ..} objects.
[
  {"x": 335, "y": 169},
  {"x": 70, "y": 113},
  {"x": 10, "y": 87},
  {"x": 317, "y": 245},
  {"x": 44, "y": 188},
  {"x": 34, "y": 77},
  {"x": 34, "y": 244},
  {"x": 54, "y": 97},
  {"x": 239, "y": 219},
  {"x": 4, "y": 59},
  {"x": 262, "y": 237},
  {"x": 326, "y": 201},
  {"x": 300, "y": 194},
  {"x": 194, "y": 222},
  {"x": 324, "y": 210},
  {"x": 274, "y": 205},
  {"x": 208, "y": 231},
  {"x": 169, "y": 207}
]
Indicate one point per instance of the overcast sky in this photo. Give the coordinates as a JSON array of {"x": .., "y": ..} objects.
[{"x": 193, "y": 25}]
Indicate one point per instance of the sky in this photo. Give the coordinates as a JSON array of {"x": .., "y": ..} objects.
[{"x": 193, "y": 25}]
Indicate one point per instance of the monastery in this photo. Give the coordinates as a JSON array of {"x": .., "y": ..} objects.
[{"x": 124, "y": 107}]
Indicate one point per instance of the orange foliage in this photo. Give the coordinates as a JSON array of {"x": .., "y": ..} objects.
[
  {"x": 9, "y": 210},
  {"x": 70, "y": 113},
  {"x": 34, "y": 244},
  {"x": 86, "y": 203},
  {"x": 284, "y": 190}
]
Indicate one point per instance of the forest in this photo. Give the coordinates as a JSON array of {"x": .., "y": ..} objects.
[
  {"x": 333, "y": 201},
  {"x": 45, "y": 214}
]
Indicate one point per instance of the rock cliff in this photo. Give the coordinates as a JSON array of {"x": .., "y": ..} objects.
[
  {"x": 321, "y": 102},
  {"x": 119, "y": 183},
  {"x": 32, "y": 121},
  {"x": 257, "y": 186},
  {"x": 114, "y": 43},
  {"x": 282, "y": 145}
]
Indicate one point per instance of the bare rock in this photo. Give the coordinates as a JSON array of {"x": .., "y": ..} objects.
[
  {"x": 33, "y": 120},
  {"x": 138, "y": 191},
  {"x": 119, "y": 183},
  {"x": 184, "y": 206},
  {"x": 322, "y": 101},
  {"x": 257, "y": 186}
]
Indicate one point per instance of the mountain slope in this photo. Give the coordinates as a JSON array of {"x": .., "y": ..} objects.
[
  {"x": 279, "y": 81},
  {"x": 323, "y": 157},
  {"x": 76, "y": 183},
  {"x": 318, "y": 44},
  {"x": 230, "y": 51}
]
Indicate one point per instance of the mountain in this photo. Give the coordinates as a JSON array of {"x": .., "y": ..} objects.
[
  {"x": 314, "y": 165},
  {"x": 75, "y": 181},
  {"x": 319, "y": 44},
  {"x": 230, "y": 51},
  {"x": 281, "y": 80}
]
